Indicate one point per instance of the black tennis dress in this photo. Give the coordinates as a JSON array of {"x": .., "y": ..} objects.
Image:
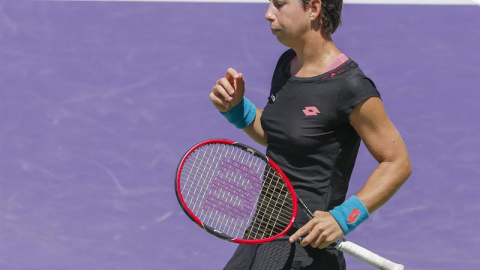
[{"x": 309, "y": 136}]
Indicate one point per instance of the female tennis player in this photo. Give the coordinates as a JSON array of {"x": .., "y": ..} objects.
[{"x": 321, "y": 105}]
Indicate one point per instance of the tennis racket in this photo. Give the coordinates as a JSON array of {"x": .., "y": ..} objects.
[{"x": 237, "y": 194}]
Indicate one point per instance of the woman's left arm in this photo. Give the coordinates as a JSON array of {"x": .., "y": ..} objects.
[{"x": 387, "y": 146}]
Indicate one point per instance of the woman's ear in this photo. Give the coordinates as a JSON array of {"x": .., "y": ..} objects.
[{"x": 315, "y": 7}]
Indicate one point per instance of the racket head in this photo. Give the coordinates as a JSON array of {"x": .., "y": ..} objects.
[{"x": 235, "y": 192}]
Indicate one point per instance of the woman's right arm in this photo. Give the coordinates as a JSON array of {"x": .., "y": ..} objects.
[{"x": 255, "y": 130}]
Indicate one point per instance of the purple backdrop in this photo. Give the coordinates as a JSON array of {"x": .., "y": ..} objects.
[{"x": 98, "y": 102}]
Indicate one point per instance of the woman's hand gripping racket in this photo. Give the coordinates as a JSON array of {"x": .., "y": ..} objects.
[{"x": 236, "y": 193}]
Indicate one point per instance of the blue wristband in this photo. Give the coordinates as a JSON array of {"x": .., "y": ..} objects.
[
  {"x": 350, "y": 214},
  {"x": 242, "y": 115}
]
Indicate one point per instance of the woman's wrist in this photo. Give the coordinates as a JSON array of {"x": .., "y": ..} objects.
[
  {"x": 242, "y": 115},
  {"x": 350, "y": 214}
]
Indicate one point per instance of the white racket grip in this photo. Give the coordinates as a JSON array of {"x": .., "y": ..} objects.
[{"x": 367, "y": 256}]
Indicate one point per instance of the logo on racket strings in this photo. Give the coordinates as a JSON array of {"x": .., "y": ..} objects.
[{"x": 234, "y": 189}]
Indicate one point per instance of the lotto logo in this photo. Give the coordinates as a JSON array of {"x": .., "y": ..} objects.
[
  {"x": 353, "y": 216},
  {"x": 311, "y": 110}
]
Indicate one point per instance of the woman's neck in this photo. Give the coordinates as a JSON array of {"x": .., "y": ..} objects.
[{"x": 313, "y": 58}]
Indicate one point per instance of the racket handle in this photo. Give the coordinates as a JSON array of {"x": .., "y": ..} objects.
[{"x": 367, "y": 256}]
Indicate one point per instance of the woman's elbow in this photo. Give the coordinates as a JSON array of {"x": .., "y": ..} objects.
[{"x": 406, "y": 169}]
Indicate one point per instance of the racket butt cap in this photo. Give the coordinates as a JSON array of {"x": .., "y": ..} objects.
[{"x": 398, "y": 267}]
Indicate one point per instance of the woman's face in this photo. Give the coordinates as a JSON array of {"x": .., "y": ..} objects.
[{"x": 289, "y": 20}]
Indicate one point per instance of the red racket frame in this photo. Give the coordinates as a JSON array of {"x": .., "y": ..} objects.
[{"x": 195, "y": 219}]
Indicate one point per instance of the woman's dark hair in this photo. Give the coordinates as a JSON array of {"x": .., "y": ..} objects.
[{"x": 331, "y": 15}]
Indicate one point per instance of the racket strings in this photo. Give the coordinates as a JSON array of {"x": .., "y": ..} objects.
[
  {"x": 196, "y": 181},
  {"x": 200, "y": 170},
  {"x": 275, "y": 207},
  {"x": 235, "y": 192},
  {"x": 281, "y": 194},
  {"x": 265, "y": 206},
  {"x": 268, "y": 208}
]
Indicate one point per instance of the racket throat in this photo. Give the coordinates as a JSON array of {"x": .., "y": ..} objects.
[{"x": 218, "y": 233}]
